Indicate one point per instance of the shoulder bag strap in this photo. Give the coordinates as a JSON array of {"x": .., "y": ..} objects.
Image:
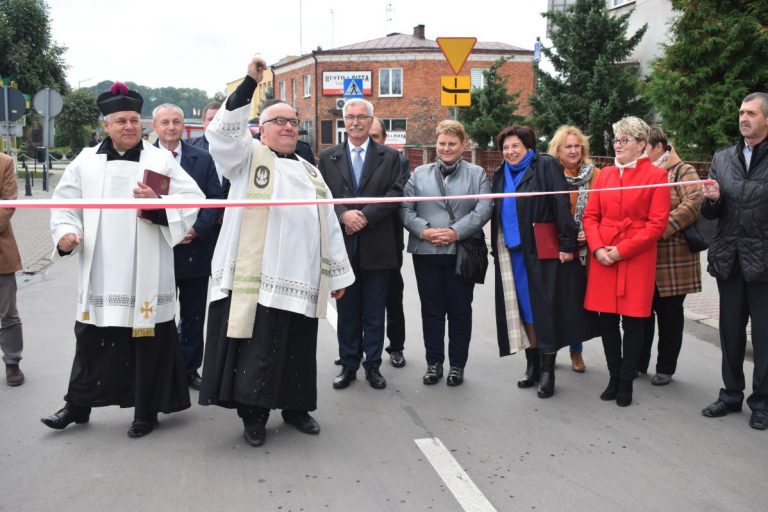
[{"x": 441, "y": 187}]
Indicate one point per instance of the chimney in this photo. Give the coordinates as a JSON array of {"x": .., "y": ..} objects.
[{"x": 418, "y": 31}]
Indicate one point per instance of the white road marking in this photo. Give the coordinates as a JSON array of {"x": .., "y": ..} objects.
[
  {"x": 331, "y": 315},
  {"x": 456, "y": 479}
]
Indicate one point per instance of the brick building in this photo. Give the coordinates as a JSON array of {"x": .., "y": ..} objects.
[{"x": 401, "y": 77}]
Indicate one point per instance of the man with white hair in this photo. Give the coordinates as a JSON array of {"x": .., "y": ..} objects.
[
  {"x": 360, "y": 167},
  {"x": 192, "y": 257},
  {"x": 274, "y": 270}
]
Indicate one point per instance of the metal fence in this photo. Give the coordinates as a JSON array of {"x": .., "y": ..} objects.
[{"x": 491, "y": 160}]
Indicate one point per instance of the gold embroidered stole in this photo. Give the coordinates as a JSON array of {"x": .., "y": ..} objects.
[{"x": 250, "y": 251}]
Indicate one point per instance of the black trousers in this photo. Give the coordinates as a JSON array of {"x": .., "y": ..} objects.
[
  {"x": 442, "y": 294},
  {"x": 193, "y": 296},
  {"x": 740, "y": 301},
  {"x": 669, "y": 312},
  {"x": 395, "y": 315},
  {"x": 622, "y": 354},
  {"x": 360, "y": 328}
]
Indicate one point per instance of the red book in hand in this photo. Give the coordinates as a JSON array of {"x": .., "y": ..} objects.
[
  {"x": 547, "y": 242},
  {"x": 160, "y": 184}
]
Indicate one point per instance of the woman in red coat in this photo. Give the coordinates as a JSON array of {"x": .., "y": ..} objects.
[{"x": 622, "y": 229}]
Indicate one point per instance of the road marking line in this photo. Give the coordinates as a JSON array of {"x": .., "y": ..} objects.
[
  {"x": 331, "y": 315},
  {"x": 456, "y": 479}
]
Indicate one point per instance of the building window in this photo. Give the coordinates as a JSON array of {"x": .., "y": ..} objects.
[
  {"x": 282, "y": 90},
  {"x": 307, "y": 85},
  {"x": 478, "y": 78},
  {"x": 619, "y": 3},
  {"x": 391, "y": 82},
  {"x": 293, "y": 92},
  {"x": 395, "y": 125},
  {"x": 326, "y": 132}
]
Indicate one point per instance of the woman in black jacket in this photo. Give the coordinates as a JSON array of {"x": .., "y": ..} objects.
[{"x": 538, "y": 298}]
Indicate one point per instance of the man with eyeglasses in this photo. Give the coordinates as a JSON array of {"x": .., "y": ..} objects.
[
  {"x": 273, "y": 271},
  {"x": 362, "y": 168},
  {"x": 738, "y": 259}
]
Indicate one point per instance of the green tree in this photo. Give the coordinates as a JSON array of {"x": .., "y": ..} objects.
[
  {"x": 717, "y": 56},
  {"x": 79, "y": 113},
  {"x": 592, "y": 86},
  {"x": 492, "y": 107},
  {"x": 187, "y": 99},
  {"x": 28, "y": 55}
]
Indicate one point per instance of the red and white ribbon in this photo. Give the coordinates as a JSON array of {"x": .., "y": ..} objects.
[{"x": 127, "y": 203}]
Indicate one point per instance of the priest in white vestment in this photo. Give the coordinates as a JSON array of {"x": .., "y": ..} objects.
[
  {"x": 127, "y": 350},
  {"x": 274, "y": 270}
]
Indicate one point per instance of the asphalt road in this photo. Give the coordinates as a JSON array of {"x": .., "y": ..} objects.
[{"x": 381, "y": 450}]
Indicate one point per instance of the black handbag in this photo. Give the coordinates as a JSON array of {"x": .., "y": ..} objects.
[
  {"x": 471, "y": 253},
  {"x": 699, "y": 234}
]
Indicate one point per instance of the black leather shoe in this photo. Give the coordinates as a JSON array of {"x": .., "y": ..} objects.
[
  {"x": 255, "y": 435},
  {"x": 397, "y": 358},
  {"x": 142, "y": 427},
  {"x": 455, "y": 376},
  {"x": 194, "y": 380},
  {"x": 64, "y": 417},
  {"x": 433, "y": 375},
  {"x": 759, "y": 419},
  {"x": 719, "y": 408},
  {"x": 302, "y": 421},
  {"x": 375, "y": 378},
  {"x": 344, "y": 378}
]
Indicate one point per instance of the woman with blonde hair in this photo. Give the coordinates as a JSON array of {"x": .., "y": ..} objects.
[
  {"x": 435, "y": 227},
  {"x": 622, "y": 228},
  {"x": 571, "y": 147}
]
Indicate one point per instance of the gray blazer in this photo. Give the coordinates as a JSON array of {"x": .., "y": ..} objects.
[{"x": 470, "y": 215}]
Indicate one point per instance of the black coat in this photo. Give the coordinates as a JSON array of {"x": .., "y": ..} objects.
[
  {"x": 556, "y": 289},
  {"x": 742, "y": 229},
  {"x": 382, "y": 176},
  {"x": 194, "y": 259}
]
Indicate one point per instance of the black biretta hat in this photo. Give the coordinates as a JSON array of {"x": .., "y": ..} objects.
[{"x": 119, "y": 99}]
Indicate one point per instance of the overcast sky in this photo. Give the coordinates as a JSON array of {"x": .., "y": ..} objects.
[{"x": 204, "y": 44}]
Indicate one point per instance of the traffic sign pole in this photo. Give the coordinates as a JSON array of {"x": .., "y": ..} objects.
[{"x": 7, "y": 118}]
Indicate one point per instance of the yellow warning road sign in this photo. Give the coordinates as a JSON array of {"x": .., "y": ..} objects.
[
  {"x": 456, "y": 50},
  {"x": 455, "y": 91}
]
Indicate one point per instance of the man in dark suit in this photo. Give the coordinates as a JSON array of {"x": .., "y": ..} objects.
[
  {"x": 362, "y": 168},
  {"x": 209, "y": 112},
  {"x": 192, "y": 257},
  {"x": 395, "y": 315}
]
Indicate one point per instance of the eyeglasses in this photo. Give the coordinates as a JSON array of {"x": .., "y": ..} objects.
[
  {"x": 359, "y": 118},
  {"x": 622, "y": 142},
  {"x": 282, "y": 121}
]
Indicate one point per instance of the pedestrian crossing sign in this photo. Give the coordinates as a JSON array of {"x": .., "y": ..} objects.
[{"x": 353, "y": 87}]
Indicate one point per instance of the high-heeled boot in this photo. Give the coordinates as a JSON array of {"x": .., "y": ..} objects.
[
  {"x": 532, "y": 369},
  {"x": 613, "y": 387},
  {"x": 547, "y": 379},
  {"x": 624, "y": 394}
]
